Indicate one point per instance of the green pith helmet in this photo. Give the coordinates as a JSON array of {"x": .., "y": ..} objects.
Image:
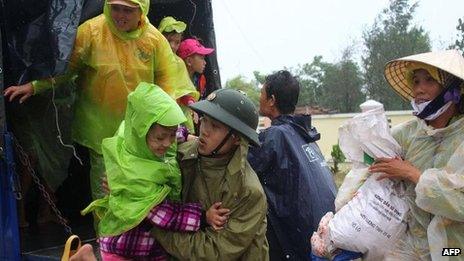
[{"x": 232, "y": 108}]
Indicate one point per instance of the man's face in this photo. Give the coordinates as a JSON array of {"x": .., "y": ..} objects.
[
  {"x": 160, "y": 138},
  {"x": 212, "y": 133},
  {"x": 265, "y": 103},
  {"x": 125, "y": 18}
]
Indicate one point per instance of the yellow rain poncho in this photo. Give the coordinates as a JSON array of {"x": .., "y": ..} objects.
[
  {"x": 186, "y": 90},
  {"x": 138, "y": 179},
  {"x": 170, "y": 25},
  {"x": 109, "y": 64}
]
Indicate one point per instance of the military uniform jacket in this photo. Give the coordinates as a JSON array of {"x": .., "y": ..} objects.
[{"x": 229, "y": 180}]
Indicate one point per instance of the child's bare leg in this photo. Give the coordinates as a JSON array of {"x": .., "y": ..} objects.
[{"x": 85, "y": 253}]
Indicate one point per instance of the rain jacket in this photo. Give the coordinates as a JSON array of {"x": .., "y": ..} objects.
[
  {"x": 298, "y": 184},
  {"x": 107, "y": 65},
  {"x": 138, "y": 179},
  {"x": 169, "y": 25},
  {"x": 436, "y": 217},
  {"x": 229, "y": 180},
  {"x": 186, "y": 90}
]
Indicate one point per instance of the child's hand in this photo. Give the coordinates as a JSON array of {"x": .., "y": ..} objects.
[{"x": 217, "y": 216}]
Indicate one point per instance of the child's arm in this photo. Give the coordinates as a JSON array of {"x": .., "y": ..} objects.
[
  {"x": 175, "y": 216},
  {"x": 187, "y": 217}
]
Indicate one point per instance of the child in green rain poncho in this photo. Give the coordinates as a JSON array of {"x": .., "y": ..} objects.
[
  {"x": 186, "y": 94},
  {"x": 145, "y": 181}
]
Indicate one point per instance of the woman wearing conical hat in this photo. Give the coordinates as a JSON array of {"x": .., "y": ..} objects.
[{"x": 432, "y": 167}]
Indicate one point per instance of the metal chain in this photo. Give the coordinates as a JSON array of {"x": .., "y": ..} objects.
[{"x": 24, "y": 158}]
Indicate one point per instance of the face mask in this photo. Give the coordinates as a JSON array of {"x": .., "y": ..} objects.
[{"x": 418, "y": 108}]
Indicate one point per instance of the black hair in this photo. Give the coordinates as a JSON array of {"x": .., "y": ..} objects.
[
  {"x": 452, "y": 82},
  {"x": 285, "y": 89}
]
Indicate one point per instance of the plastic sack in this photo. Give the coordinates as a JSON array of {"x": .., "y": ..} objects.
[
  {"x": 371, "y": 214},
  {"x": 320, "y": 242},
  {"x": 352, "y": 182},
  {"x": 367, "y": 134},
  {"x": 323, "y": 248}
]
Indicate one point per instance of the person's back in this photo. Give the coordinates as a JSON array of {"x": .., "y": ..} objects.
[{"x": 298, "y": 183}]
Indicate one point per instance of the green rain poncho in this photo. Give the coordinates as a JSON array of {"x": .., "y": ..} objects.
[
  {"x": 169, "y": 24},
  {"x": 138, "y": 179},
  {"x": 436, "y": 217}
]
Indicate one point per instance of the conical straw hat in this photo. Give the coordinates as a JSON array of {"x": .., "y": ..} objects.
[{"x": 450, "y": 61}]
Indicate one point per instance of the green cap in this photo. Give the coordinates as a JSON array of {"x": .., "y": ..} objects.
[{"x": 169, "y": 24}]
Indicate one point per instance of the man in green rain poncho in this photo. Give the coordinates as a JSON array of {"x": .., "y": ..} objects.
[
  {"x": 215, "y": 169},
  {"x": 112, "y": 54}
]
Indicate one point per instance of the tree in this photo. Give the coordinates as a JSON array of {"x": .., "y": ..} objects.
[
  {"x": 392, "y": 36},
  {"x": 459, "y": 43},
  {"x": 337, "y": 157},
  {"x": 259, "y": 77},
  {"x": 332, "y": 86},
  {"x": 342, "y": 85},
  {"x": 250, "y": 88},
  {"x": 310, "y": 76}
]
